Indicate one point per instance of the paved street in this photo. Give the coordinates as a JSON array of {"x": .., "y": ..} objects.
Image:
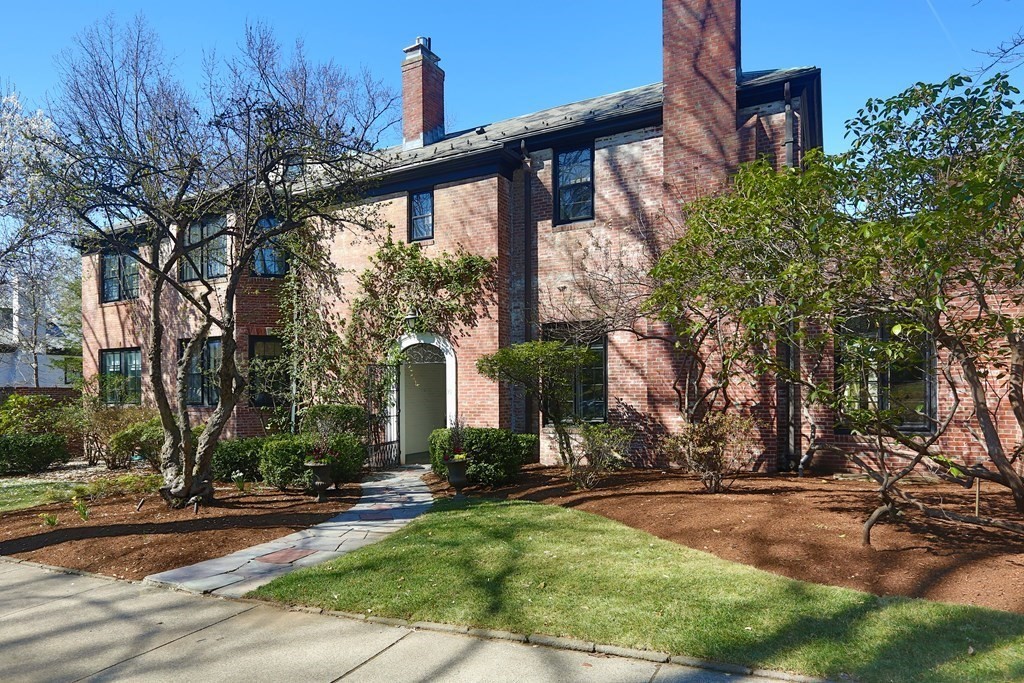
[{"x": 62, "y": 627}]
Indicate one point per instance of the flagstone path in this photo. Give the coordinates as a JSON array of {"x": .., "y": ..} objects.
[{"x": 389, "y": 501}]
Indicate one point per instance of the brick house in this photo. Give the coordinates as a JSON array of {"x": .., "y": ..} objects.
[{"x": 530, "y": 191}]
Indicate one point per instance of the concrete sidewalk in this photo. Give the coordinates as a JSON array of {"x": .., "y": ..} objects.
[{"x": 63, "y": 627}]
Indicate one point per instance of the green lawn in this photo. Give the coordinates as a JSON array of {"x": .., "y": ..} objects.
[
  {"x": 543, "y": 569},
  {"x": 18, "y": 493}
]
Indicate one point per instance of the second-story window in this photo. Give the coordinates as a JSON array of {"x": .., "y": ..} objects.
[
  {"x": 270, "y": 259},
  {"x": 201, "y": 380},
  {"x": 421, "y": 216},
  {"x": 574, "y": 185},
  {"x": 207, "y": 250},
  {"x": 120, "y": 273}
]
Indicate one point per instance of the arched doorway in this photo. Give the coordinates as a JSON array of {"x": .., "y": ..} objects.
[{"x": 426, "y": 393}]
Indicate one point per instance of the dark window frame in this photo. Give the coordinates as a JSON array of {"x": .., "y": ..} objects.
[
  {"x": 924, "y": 425},
  {"x": 127, "y": 281},
  {"x": 413, "y": 217},
  {"x": 123, "y": 354},
  {"x": 281, "y": 255},
  {"x": 556, "y": 185},
  {"x": 205, "y": 267},
  {"x": 552, "y": 332},
  {"x": 262, "y": 400},
  {"x": 209, "y": 391}
]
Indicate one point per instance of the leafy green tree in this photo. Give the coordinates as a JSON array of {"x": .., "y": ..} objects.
[
  {"x": 546, "y": 370},
  {"x": 915, "y": 232}
]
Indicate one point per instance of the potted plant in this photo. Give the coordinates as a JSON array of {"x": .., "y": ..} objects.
[
  {"x": 456, "y": 461},
  {"x": 320, "y": 466}
]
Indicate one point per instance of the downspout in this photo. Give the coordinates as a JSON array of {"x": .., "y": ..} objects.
[
  {"x": 790, "y": 137},
  {"x": 791, "y": 161},
  {"x": 530, "y": 409}
]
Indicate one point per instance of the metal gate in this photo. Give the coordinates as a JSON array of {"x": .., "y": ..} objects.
[{"x": 382, "y": 419}]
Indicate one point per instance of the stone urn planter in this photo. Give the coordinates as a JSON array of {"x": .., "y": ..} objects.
[
  {"x": 322, "y": 479},
  {"x": 457, "y": 476}
]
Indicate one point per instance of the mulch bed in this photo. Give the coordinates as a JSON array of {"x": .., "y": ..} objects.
[
  {"x": 808, "y": 529},
  {"x": 119, "y": 541}
]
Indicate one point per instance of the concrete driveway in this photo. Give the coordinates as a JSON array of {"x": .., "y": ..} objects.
[{"x": 63, "y": 627}]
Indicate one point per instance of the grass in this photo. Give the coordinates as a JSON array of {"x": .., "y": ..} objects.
[
  {"x": 535, "y": 568},
  {"x": 16, "y": 494}
]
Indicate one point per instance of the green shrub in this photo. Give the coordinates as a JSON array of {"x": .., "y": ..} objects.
[
  {"x": 144, "y": 439},
  {"x": 603, "y": 449},
  {"x": 346, "y": 454},
  {"x": 325, "y": 421},
  {"x": 238, "y": 455},
  {"x": 282, "y": 462},
  {"x": 116, "y": 486},
  {"x": 31, "y": 453},
  {"x": 26, "y": 414},
  {"x": 495, "y": 455}
]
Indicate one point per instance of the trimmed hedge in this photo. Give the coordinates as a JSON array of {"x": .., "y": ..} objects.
[
  {"x": 326, "y": 421},
  {"x": 238, "y": 455},
  {"x": 495, "y": 455},
  {"x": 282, "y": 461},
  {"x": 347, "y": 455},
  {"x": 31, "y": 453}
]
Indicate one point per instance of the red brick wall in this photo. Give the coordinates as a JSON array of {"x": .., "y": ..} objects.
[{"x": 124, "y": 324}]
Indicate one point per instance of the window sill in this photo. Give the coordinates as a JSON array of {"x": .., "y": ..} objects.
[
  {"x": 424, "y": 242},
  {"x": 118, "y": 301},
  {"x": 582, "y": 224}
]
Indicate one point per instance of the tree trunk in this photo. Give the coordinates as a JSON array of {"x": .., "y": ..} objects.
[{"x": 993, "y": 443}]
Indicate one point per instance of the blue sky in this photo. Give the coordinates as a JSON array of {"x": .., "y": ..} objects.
[{"x": 505, "y": 59}]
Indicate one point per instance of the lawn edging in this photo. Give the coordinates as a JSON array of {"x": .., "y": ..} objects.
[
  {"x": 553, "y": 642},
  {"x": 7, "y": 559}
]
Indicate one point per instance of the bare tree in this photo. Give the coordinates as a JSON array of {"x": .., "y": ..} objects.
[
  {"x": 28, "y": 209},
  {"x": 191, "y": 186},
  {"x": 39, "y": 275}
]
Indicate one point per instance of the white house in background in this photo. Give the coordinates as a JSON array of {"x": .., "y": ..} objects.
[{"x": 32, "y": 346}]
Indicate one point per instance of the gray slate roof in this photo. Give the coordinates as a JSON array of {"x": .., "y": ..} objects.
[
  {"x": 566, "y": 116},
  {"x": 495, "y": 135}
]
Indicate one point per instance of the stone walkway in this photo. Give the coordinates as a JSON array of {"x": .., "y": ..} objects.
[{"x": 389, "y": 501}]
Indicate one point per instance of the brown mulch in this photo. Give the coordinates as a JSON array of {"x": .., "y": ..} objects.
[
  {"x": 119, "y": 541},
  {"x": 809, "y": 529}
]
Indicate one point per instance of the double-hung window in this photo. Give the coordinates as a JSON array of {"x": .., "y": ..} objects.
[
  {"x": 268, "y": 379},
  {"x": 421, "y": 216},
  {"x": 201, "y": 380},
  {"x": 121, "y": 376},
  {"x": 270, "y": 258},
  {"x": 206, "y": 250},
  {"x": 869, "y": 382},
  {"x": 590, "y": 383},
  {"x": 574, "y": 185},
  {"x": 120, "y": 277}
]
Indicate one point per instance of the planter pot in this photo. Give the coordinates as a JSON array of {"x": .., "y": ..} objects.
[
  {"x": 322, "y": 476},
  {"x": 457, "y": 476}
]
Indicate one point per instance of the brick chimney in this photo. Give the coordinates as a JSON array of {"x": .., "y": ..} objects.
[
  {"x": 701, "y": 65},
  {"x": 422, "y": 96}
]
